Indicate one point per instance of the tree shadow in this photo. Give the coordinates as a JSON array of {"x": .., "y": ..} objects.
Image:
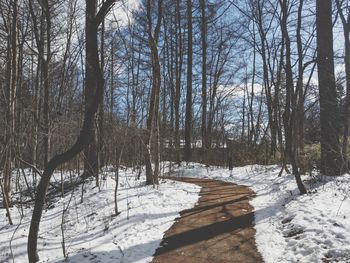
[
  {"x": 206, "y": 232},
  {"x": 144, "y": 251}
]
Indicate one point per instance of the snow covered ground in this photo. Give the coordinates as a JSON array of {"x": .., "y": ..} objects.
[
  {"x": 289, "y": 227},
  {"x": 92, "y": 233}
]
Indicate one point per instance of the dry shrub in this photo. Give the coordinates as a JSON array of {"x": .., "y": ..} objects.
[{"x": 310, "y": 158}]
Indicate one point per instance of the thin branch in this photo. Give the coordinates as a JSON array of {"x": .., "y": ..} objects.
[{"x": 106, "y": 6}]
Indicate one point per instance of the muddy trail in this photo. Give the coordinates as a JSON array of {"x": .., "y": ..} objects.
[{"x": 220, "y": 228}]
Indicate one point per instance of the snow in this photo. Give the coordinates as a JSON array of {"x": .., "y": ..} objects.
[
  {"x": 92, "y": 233},
  {"x": 289, "y": 227}
]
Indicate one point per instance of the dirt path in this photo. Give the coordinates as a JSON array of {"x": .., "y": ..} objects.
[{"x": 218, "y": 229}]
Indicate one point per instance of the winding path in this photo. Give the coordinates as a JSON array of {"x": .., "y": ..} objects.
[{"x": 218, "y": 229}]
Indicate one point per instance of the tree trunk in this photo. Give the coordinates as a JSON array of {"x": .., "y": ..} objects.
[
  {"x": 11, "y": 68},
  {"x": 188, "y": 119},
  {"x": 153, "y": 113},
  {"x": 91, "y": 161},
  {"x": 329, "y": 113},
  {"x": 204, "y": 72},
  {"x": 93, "y": 77},
  {"x": 290, "y": 109},
  {"x": 101, "y": 155},
  {"x": 46, "y": 80},
  {"x": 178, "y": 72}
]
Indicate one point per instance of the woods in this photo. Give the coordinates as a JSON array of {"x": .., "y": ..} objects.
[{"x": 91, "y": 86}]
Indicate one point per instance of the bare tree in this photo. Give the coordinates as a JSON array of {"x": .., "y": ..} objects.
[
  {"x": 11, "y": 94},
  {"x": 153, "y": 114},
  {"x": 93, "y": 78},
  {"x": 291, "y": 105}
]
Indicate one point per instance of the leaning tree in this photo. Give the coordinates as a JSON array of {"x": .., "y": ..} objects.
[{"x": 94, "y": 78}]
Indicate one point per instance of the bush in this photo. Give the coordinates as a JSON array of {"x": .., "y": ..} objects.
[{"x": 310, "y": 158}]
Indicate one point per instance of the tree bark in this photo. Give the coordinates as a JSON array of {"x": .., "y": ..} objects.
[
  {"x": 46, "y": 79},
  {"x": 188, "y": 119},
  {"x": 11, "y": 68},
  {"x": 329, "y": 112},
  {"x": 91, "y": 157},
  {"x": 178, "y": 74},
  {"x": 153, "y": 153},
  {"x": 204, "y": 72}
]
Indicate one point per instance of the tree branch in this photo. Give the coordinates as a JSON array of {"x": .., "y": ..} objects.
[{"x": 106, "y": 6}]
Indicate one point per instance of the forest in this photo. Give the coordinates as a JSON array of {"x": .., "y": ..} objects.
[{"x": 128, "y": 125}]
